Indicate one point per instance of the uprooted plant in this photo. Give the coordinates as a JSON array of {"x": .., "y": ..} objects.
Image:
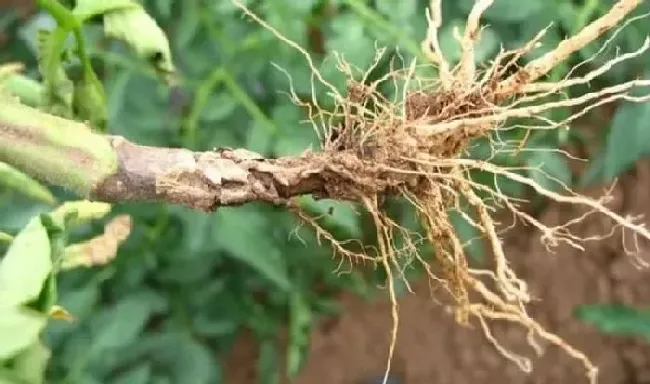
[{"x": 413, "y": 148}]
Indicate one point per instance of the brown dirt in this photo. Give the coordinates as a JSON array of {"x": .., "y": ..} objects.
[{"x": 431, "y": 348}]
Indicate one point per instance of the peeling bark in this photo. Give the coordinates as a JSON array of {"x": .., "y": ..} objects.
[{"x": 207, "y": 180}]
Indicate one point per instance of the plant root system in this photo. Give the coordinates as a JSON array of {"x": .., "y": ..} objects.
[{"x": 414, "y": 146}]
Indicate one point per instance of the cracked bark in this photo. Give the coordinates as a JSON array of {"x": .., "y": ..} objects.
[
  {"x": 207, "y": 180},
  {"x": 112, "y": 169}
]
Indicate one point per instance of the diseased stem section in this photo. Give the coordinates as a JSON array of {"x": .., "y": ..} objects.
[
  {"x": 207, "y": 180},
  {"x": 112, "y": 169}
]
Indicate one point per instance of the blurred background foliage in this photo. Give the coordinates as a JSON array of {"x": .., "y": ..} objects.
[{"x": 186, "y": 284}]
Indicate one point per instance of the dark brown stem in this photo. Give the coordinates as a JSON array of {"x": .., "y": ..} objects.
[{"x": 207, "y": 180}]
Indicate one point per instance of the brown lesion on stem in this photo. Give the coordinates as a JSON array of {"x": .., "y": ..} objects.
[{"x": 207, "y": 180}]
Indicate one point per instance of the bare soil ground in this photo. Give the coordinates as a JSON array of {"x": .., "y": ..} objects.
[{"x": 431, "y": 348}]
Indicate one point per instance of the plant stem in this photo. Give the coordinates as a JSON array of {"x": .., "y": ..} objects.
[{"x": 52, "y": 149}]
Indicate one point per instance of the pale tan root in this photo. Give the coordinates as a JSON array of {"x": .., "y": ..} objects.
[
  {"x": 414, "y": 149},
  {"x": 537, "y": 68},
  {"x": 467, "y": 66},
  {"x": 431, "y": 45}
]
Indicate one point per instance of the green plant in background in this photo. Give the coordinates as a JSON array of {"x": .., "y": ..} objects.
[{"x": 170, "y": 306}]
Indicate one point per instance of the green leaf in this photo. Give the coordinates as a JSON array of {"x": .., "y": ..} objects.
[
  {"x": 188, "y": 25},
  {"x": 149, "y": 43},
  {"x": 120, "y": 325},
  {"x": 164, "y": 7},
  {"x": 26, "y": 266},
  {"x": 25, "y": 184},
  {"x": 218, "y": 107},
  {"x": 195, "y": 363},
  {"x": 86, "y": 9},
  {"x": 239, "y": 232},
  {"x": 402, "y": 10},
  {"x": 507, "y": 11},
  {"x": 80, "y": 303},
  {"x": 296, "y": 137},
  {"x": 616, "y": 318},
  {"x": 31, "y": 363},
  {"x": 89, "y": 102},
  {"x": 116, "y": 87},
  {"x": 488, "y": 43},
  {"x": 468, "y": 235},
  {"x": 267, "y": 362},
  {"x": 350, "y": 40},
  {"x": 628, "y": 139},
  {"x": 137, "y": 375},
  {"x": 6, "y": 238},
  {"x": 185, "y": 359},
  {"x": 338, "y": 217},
  {"x": 299, "y": 327},
  {"x": 19, "y": 328},
  {"x": 28, "y": 90},
  {"x": 58, "y": 88},
  {"x": 549, "y": 169}
]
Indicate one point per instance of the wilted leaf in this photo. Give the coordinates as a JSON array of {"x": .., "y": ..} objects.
[
  {"x": 59, "y": 313},
  {"x": 149, "y": 43},
  {"x": 101, "y": 249},
  {"x": 18, "y": 329},
  {"x": 26, "y": 266},
  {"x": 548, "y": 169},
  {"x": 84, "y": 211}
]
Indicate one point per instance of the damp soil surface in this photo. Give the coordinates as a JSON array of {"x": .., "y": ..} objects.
[{"x": 433, "y": 349}]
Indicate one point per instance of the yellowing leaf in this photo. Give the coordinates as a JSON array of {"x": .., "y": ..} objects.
[
  {"x": 6, "y": 238},
  {"x": 86, "y": 210},
  {"x": 99, "y": 250},
  {"x": 140, "y": 31},
  {"x": 59, "y": 313},
  {"x": 86, "y": 9},
  {"x": 10, "y": 69}
]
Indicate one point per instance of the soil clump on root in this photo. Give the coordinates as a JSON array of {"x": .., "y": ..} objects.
[{"x": 414, "y": 147}]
